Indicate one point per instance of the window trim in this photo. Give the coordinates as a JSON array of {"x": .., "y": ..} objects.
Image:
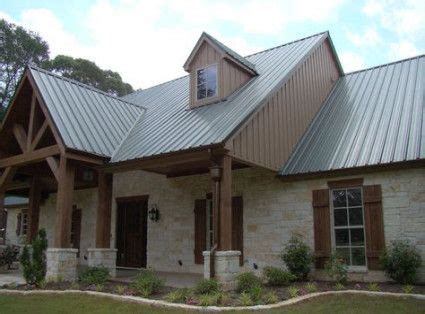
[
  {"x": 351, "y": 268},
  {"x": 206, "y": 98}
]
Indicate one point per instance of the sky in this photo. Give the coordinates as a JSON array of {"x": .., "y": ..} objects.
[{"x": 147, "y": 42}]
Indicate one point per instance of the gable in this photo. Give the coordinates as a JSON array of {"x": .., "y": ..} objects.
[{"x": 270, "y": 136}]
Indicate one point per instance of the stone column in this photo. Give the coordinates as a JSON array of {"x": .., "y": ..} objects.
[
  {"x": 103, "y": 257},
  {"x": 61, "y": 264},
  {"x": 226, "y": 267}
]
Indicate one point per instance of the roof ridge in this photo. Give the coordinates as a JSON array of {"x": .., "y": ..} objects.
[
  {"x": 86, "y": 86},
  {"x": 385, "y": 64},
  {"x": 286, "y": 44}
]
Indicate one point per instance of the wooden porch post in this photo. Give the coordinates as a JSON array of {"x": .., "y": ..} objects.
[
  {"x": 3, "y": 219},
  {"x": 225, "y": 211},
  {"x": 103, "y": 216},
  {"x": 34, "y": 208},
  {"x": 66, "y": 173}
]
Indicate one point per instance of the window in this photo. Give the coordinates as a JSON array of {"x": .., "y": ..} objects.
[
  {"x": 206, "y": 82},
  {"x": 348, "y": 225}
]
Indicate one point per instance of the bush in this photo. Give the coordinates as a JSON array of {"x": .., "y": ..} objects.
[
  {"x": 255, "y": 293},
  {"x": 178, "y": 296},
  {"x": 147, "y": 283},
  {"x": 34, "y": 265},
  {"x": 9, "y": 255},
  {"x": 120, "y": 290},
  {"x": 210, "y": 299},
  {"x": 297, "y": 257},
  {"x": 407, "y": 289},
  {"x": 207, "y": 286},
  {"x": 373, "y": 286},
  {"x": 97, "y": 275},
  {"x": 339, "y": 286},
  {"x": 337, "y": 269},
  {"x": 401, "y": 262},
  {"x": 293, "y": 291},
  {"x": 277, "y": 277},
  {"x": 270, "y": 298},
  {"x": 311, "y": 287},
  {"x": 245, "y": 299},
  {"x": 247, "y": 281}
]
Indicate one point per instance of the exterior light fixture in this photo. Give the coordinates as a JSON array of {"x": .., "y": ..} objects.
[
  {"x": 215, "y": 173},
  {"x": 154, "y": 213}
]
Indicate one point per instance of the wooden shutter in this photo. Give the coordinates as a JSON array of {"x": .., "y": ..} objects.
[
  {"x": 3, "y": 225},
  {"x": 200, "y": 230},
  {"x": 18, "y": 224},
  {"x": 237, "y": 228},
  {"x": 374, "y": 225},
  {"x": 76, "y": 229},
  {"x": 322, "y": 227}
]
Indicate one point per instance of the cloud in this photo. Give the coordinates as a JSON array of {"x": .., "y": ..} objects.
[
  {"x": 402, "y": 50},
  {"x": 369, "y": 38},
  {"x": 352, "y": 61}
]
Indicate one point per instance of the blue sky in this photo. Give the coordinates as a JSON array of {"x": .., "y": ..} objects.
[{"x": 147, "y": 42}]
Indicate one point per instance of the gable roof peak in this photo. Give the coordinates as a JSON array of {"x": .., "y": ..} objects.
[{"x": 225, "y": 50}]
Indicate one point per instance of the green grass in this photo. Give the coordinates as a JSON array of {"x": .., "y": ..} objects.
[{"x": 74, "y": 303}]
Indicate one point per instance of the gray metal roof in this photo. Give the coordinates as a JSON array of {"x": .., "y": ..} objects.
[
  {"x": 87, "y": 119},
  {"x": 169, "y": 126},
  {"x": 232, "y": 53},
  {"x": 375, "y": 116}
]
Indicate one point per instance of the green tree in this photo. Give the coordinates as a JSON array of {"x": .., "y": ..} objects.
[
  {"x": 34, "y": 265},
  {"x": 18, "y": 47},
  {"x": 87, "y": 72}
]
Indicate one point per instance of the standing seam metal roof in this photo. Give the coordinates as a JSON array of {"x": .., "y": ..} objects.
[
  {"x": 169, "y": 126},
  {"x": 374, "y": 116},
  {"x": 87, "y": 119}
]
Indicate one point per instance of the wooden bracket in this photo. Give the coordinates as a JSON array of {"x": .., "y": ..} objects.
[
  {"x": 21, "y": 136},
  {"x": 54, "y": 166}
]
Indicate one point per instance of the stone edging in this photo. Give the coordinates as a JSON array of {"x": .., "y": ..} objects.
[{"x": 164, "y": 304}]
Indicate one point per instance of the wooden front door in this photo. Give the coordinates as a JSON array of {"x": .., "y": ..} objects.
[{"x": 132, "y": 232}]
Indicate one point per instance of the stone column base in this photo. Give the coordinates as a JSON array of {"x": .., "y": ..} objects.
[
  {"x": 226, "y": 267},
  {"x": 103, "y": 257},
  {"x": 61, "y": 264}
]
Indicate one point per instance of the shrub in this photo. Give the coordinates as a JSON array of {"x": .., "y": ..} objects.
[
  {"x": 147, "y": 283},
  {"x": 297, "y": 257},
  {"x": 179, "y": 295},
  {"x": 401, "y": 261},
  {"x": 120, "y": 289},
  {"x": 255, "y": 293},
  {"x": 34, "y": 265},
  {"x": 246, "y": 281},
  {"x": 245, "y": 299},
  {"x": 293, "y": 291},
  {"x": 311, "y": 287},
  {"x": 210, "y": 299},
  {"x": 337, "y": 269},
  {"x": 270, "y": 298},
  {"x": 207, "y": 286},
  {"x": 74, "y": 286},
  {"x": 100, "y": 287},
  {"x": 9, "y": 256},
  {"x": 339, "y": 286},
  {"x": 96, "y": 275},
  {"x": 277, "y": 277},
  {"x": 373, "y": 286},
  {"x": 407, "y": 289}
]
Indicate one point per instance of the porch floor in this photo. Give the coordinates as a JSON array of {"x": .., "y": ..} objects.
[{"x": 174, "y": 280}]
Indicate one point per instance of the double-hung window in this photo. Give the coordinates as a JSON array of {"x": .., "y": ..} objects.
[
  {"x": 206, "y": 82},
  {"x": 348, "y": 225}
]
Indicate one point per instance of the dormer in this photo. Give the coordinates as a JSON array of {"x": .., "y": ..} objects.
[{"x": 216, "y": 71}]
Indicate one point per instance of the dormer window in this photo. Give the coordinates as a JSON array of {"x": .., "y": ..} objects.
[{"x": 207, "y": 82}]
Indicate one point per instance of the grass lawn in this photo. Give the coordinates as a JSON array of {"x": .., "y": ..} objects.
[{"x": 88, "y": 304}]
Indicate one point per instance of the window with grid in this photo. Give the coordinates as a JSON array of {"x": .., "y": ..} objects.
[
  {"x": 348, "y": 225},
  {"x": 206, "y": 82}
]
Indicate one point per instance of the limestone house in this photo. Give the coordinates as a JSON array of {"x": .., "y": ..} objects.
[{"x": 224, "y": 164}]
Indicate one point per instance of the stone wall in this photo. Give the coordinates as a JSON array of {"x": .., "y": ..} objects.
[
  {"x": 273, "y": 211},
  {"x": 12, "y": 221}
]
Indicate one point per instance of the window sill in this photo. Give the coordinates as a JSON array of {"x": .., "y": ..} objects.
[{"x": 357, "y": 269}]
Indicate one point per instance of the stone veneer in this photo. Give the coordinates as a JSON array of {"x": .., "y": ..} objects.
[
  {"x": 273, "y": 211},
  {"x": 226, "y": 266},
  {"x": 61, "y": 264},
  {"x": 103, "y": 257}
]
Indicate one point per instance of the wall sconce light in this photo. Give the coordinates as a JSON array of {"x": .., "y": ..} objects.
[{"x": 154, "y": 213}]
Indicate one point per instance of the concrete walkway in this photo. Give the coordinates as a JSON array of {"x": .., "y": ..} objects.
[
  {"x": 174, "y": 280},
  {"x": 8, "y": 277}
]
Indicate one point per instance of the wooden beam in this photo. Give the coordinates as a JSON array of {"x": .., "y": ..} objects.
[
  {"x": 31, "y": 122},
  {"x": 30, "y": 157},
  {"x": 104, "y": 205},
  {"x": 3, "y": 220},
  {"x": 54, "y": 166},
  {"x": 225, "y": 210},
  {"x": 20, "y": 136},
  {"x": 34, "y": 208},
  {"x": 6, "y": 177},
  {"x": 64, "y": 200},
  {"x": 85, "y": 158},
  {"x": 39, "y": 135}
]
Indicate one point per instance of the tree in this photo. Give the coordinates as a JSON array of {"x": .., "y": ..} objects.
[
  {"x": 88, "y": 72},
  {"x": 18, "y": 47},
  {"x": 34, "y": 265}
]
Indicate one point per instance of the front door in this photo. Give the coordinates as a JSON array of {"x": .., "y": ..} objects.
[{"x": 132, "y": 232}]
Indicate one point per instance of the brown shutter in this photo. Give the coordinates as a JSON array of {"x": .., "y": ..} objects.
[
  {"x": 18, "y": 224},
  {"x": 76, "y": 229},
  {"x": 374, "y": 225},
  {"x": 3, "y": 225},
  {"x": 200, "y": 230},
  {"x": 237, "y": 228},
  {"x": 322, "y": 227}
]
